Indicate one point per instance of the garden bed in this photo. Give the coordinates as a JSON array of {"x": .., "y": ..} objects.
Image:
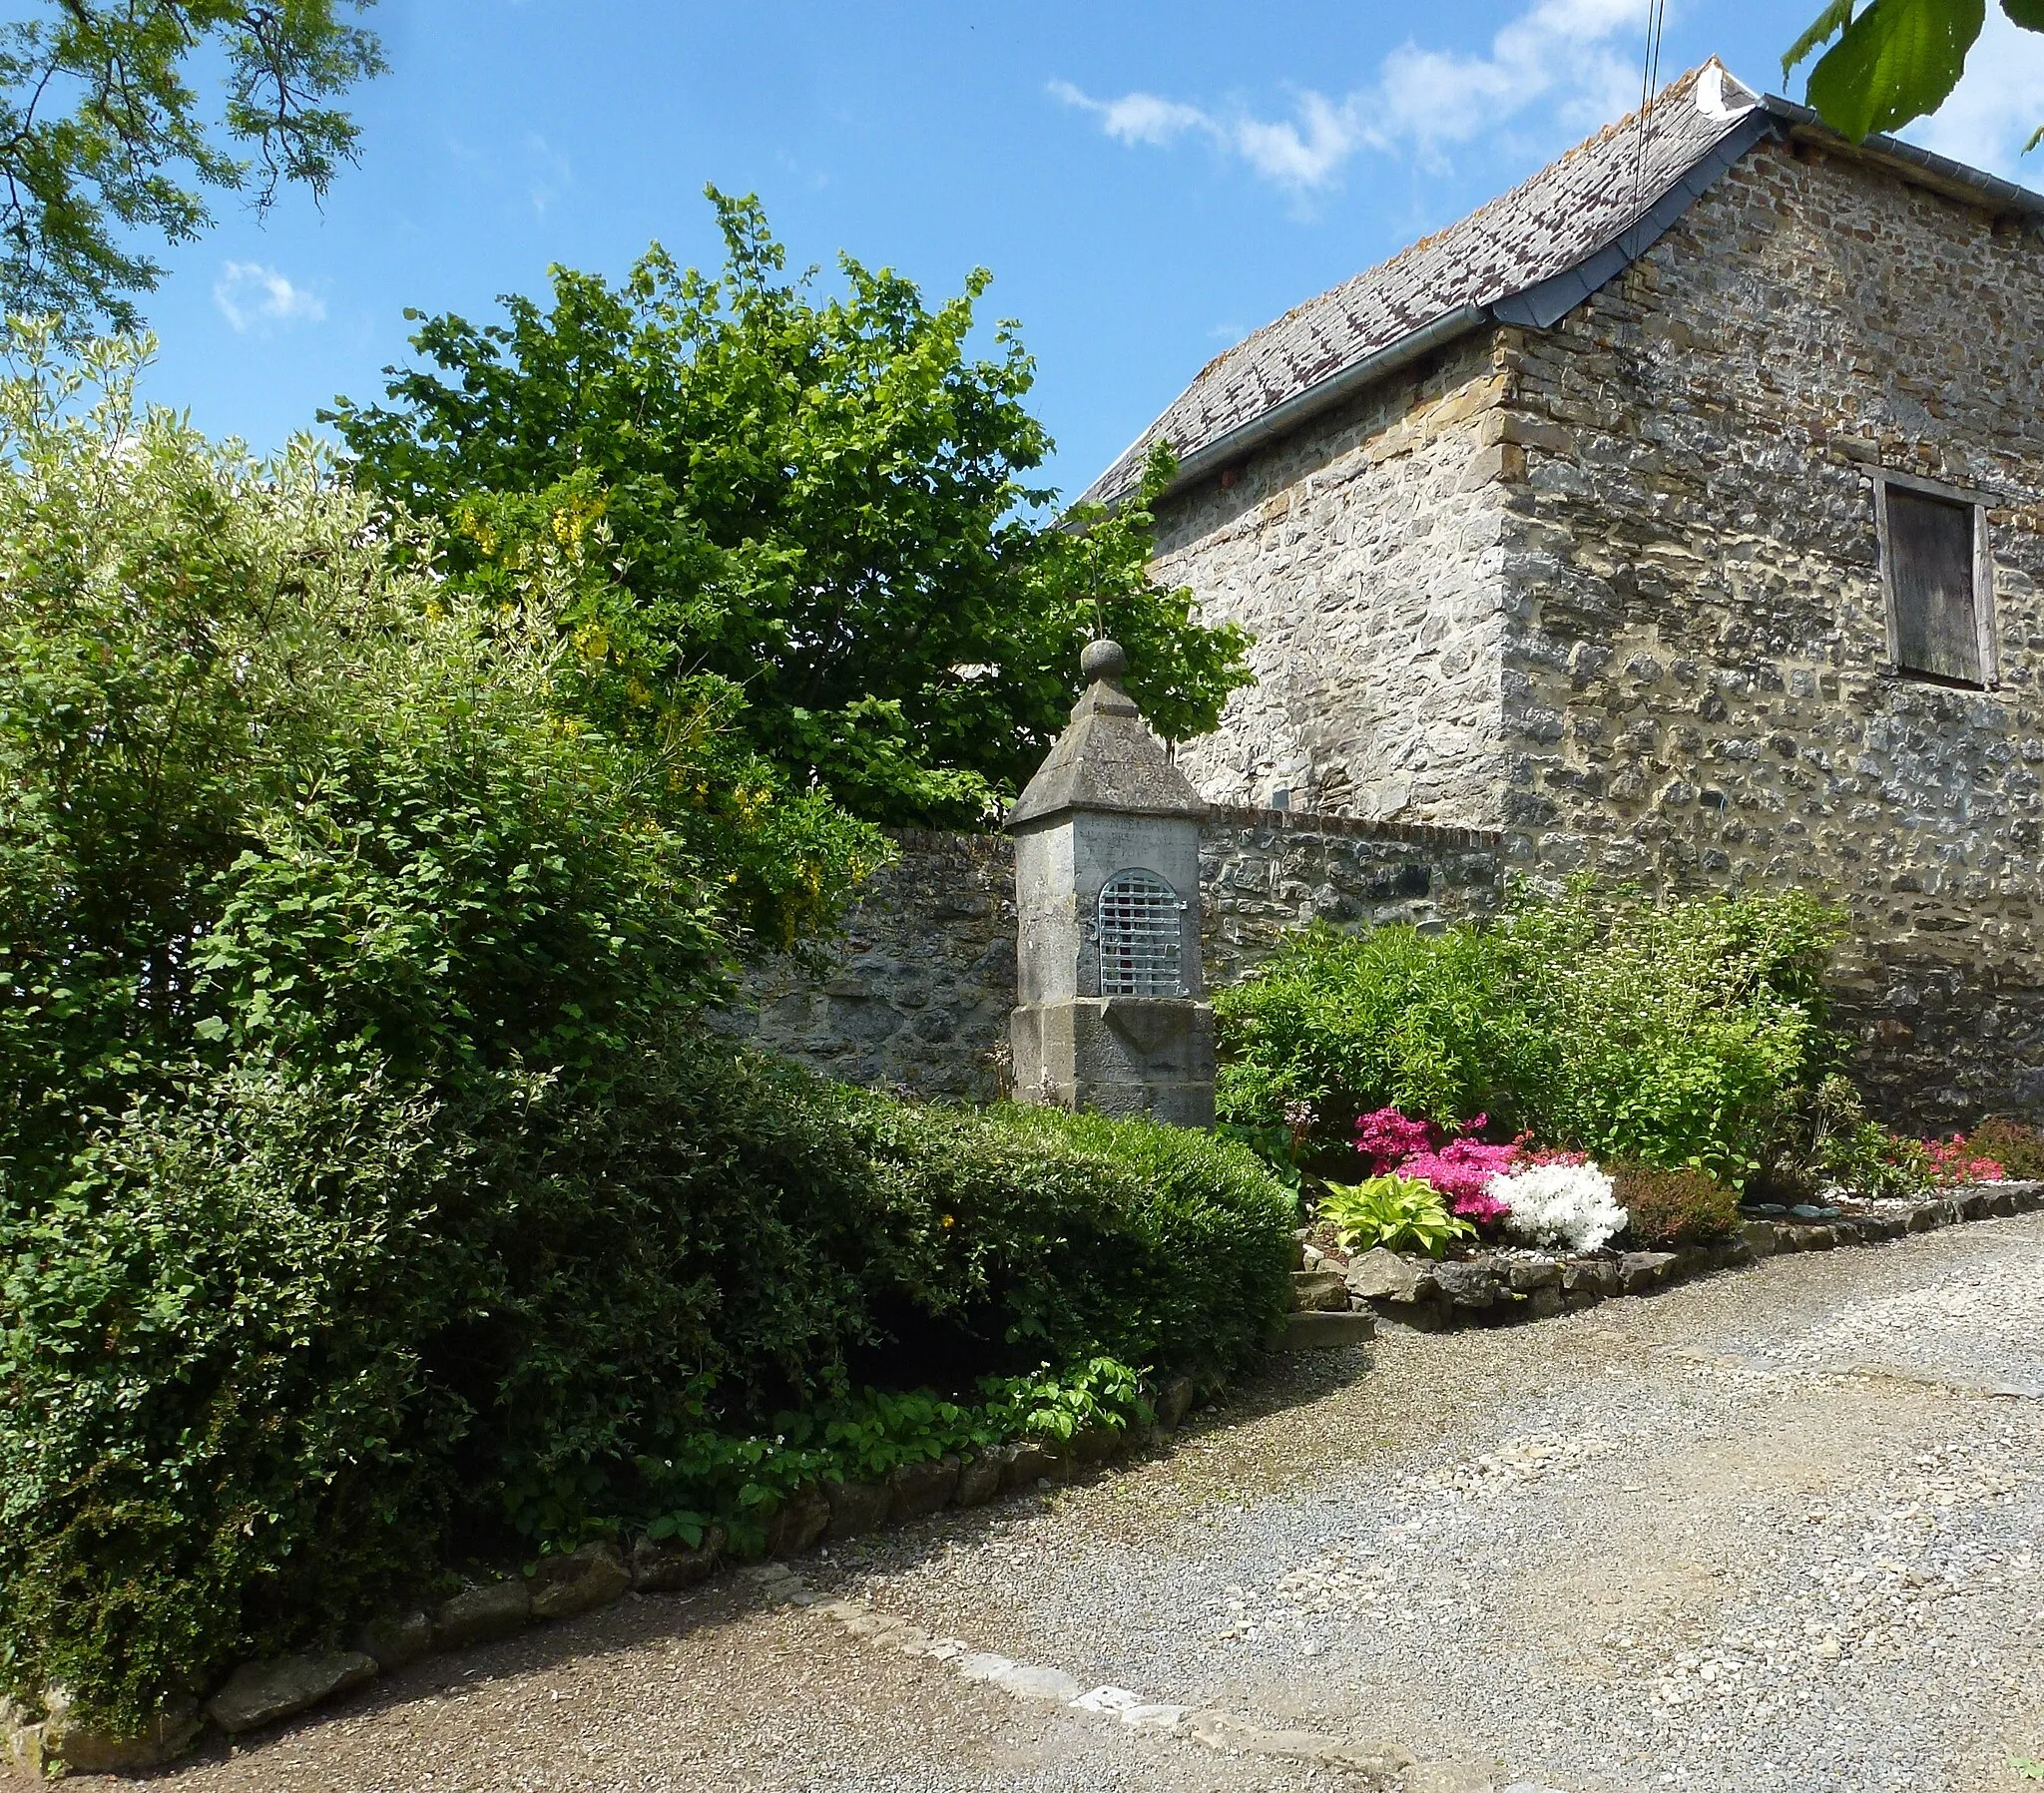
[
  {"x": 1493, "y": 1286},
  {"x": 260, "y": 1693}
]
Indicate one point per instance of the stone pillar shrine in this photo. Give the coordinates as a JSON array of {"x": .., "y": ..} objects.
[{"x": 1107, "y": 898}]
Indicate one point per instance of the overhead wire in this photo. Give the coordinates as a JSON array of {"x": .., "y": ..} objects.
[{"x": 1650, "y": 86}]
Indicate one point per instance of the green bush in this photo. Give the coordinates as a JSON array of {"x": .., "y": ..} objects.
[
  {"x": 286, "y": 1344},
  {"x": 1828, "y": 1141},
  {"x": 367, "y": 1199},
  {"x": 1667, "y": 1210},
  {"x": 1669, "y": 1032},
  {"x": 1393, "y": 1212},
  {"x": 266, "y": 785}
]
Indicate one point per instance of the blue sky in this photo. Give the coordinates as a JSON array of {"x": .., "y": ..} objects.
[{"x": 1147, "y": 181}]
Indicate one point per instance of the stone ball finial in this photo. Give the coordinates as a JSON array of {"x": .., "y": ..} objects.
[{"x": 1103, "y": 660}]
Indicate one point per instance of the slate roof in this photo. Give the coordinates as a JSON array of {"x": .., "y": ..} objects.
[{"x": 1540, "y": 231}]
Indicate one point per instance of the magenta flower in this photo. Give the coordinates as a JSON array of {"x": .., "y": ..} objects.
[{"x": 1459, "y": 1165}]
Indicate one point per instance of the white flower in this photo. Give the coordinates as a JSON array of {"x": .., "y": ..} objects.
[{"x": 1558, "y": 1205}]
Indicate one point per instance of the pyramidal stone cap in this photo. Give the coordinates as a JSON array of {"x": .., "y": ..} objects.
[{"x": 1107, "y": 760}]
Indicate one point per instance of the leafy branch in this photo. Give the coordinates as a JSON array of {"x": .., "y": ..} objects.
[
  {"x": 103, "y": 137},
  {"x": 1894, "y": 60}
]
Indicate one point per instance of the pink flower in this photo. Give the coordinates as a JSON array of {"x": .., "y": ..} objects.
[
  {"x": 1457, "y": 1163},
  {"x": 1462, "y": 1170},
  {"x": 1387, "y": 1138},
  {"x": 1953, "y": 1162}
]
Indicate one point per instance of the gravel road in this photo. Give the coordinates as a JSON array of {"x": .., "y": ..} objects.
[{"x": 1778, "y": 1529}]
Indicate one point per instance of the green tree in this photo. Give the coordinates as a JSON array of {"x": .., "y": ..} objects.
[
  {"x": 102, "y": 136},
  {"x": 822, "y": 502},
  {"x": 268, "y": 784},
  {"x": 1894, "y": 60}
]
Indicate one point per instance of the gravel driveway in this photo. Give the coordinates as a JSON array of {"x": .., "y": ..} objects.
[{"x": 1780, "y": 1529}]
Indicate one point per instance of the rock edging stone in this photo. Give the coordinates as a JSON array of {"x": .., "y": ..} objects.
[{"x": 1502, "y": 1286}]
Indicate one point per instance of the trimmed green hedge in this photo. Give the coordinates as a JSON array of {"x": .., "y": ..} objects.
[{"x": 281, "y": 1349}]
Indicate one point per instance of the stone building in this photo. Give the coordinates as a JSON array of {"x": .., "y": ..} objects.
[{"x": 1678, "y": 516}]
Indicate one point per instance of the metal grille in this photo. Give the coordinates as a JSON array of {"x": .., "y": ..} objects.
[{"x": 1139, "y": 936}]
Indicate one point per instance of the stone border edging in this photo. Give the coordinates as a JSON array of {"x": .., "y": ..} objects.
[
  {"x": 1501, "y": 1287},
  {"x": 262, "y": 1693}
]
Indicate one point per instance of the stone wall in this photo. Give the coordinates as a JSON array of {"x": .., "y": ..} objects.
[
  {"x": 1697, "y": 687},
  {"x": 1363, "y": 556},
  {"x": 917, "y": 991},
  {"x": 1613, "y": 589},
  {"x": 1265, "y": 873}
]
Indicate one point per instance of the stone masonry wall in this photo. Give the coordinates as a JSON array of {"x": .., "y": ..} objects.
[
  {"x": 1613, "y": 588},
  {"x": 1362, "y": 556},
  {"x": 918, "y": 987},
  {"x": 1697, "y": 687}
]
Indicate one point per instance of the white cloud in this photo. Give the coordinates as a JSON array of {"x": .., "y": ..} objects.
[
  {"x": 552, "y": 173},
  {"x": 1558, "y": 52},
  {"x": 1996, "y": 106},
  {"x": 1136, "y": 118},
  {"x": 253, "y": 296}
]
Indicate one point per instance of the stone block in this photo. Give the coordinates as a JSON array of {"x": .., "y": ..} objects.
[
  {"x": 1034, "y": 1460},
  {"x": 1643, "y": 1270},
  {"x": 916, "y": 1489},
  {"x": 482, "y": 1614},
  {"x": 857, "y": 1508},
  {"x": 57, "y": 1744},
  {"x": 797, "y": 1522},
  {"x": 668, "y": 1566},
  {"x": 1174, "y": 1401},
  {"x": 1121, "y": 1055},
  {"x": 1468, "y": 1285},
  {"x": 579, "y": 1581},
  {"x": 1094, "y": 1445},
  {"x": 260, "y": 1693},
  {"x": 980, "y": 1478},
  {"x": 1524, "y": 1275},
  {"x": 395, "y": 1639},
  {"x": 1314, "y": 1291},
  {"x": 1320, "y": 1330},
  {"x": 1383, "y": 1275}
]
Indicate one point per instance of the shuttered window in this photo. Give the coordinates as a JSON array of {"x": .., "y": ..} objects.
[{"x": 1934, "y": 621}]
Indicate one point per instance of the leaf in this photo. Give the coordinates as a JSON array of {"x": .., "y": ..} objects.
[
  {"x": 2029, "y": 14},
  {"x": 1825, "y": 26},
  {"x": 1897, "y": 61}
]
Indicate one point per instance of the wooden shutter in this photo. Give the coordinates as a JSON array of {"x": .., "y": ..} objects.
[{"x": 1930, "y": 585}]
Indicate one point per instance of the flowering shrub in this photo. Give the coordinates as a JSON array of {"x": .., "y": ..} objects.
[
  {"x": 1460, "y": 1167},
  {"x": 1668, "y": 1210},
  {"x": 1388, "y": 1138},
  {"x": 2017, "y": 1149},
  {"x": 1954, "y": 1161},
  {"x": 1565, "y": 1201}
]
